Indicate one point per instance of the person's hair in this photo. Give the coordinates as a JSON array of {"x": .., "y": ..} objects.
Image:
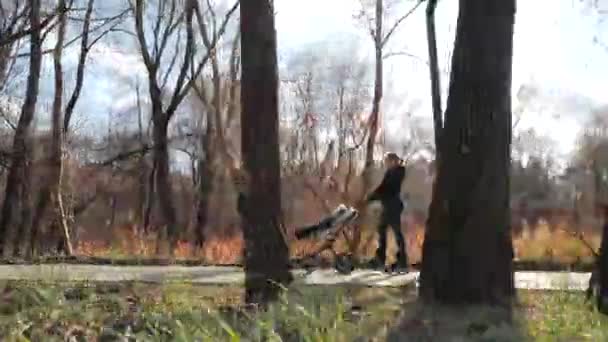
[{"x": 392, "y": 156}]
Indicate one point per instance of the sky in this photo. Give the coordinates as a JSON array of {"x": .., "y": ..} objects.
[{"x": 554, "y": 50}]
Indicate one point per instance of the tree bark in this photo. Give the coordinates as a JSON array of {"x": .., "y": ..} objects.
[
  {"x": 434, "y": 74},
  {"x": 51, "y": 190},
  {"x": 16, "y": 198},
  {"x": 266, "y": 251},
  {"x": 205, "y": 187},
  {"x": 167, "y": 237},
  {"x": 366, "y": 176},
  {"x": 467, "y": 252},
  {"x": 602, "y": 268},
  {"x": 212, "y": 138},
  {"x": 206, "y": 176},
  {"x": 378, "y": 89}
]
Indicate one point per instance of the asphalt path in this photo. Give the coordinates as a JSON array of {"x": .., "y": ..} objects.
[{"x": 230, "y": 275}]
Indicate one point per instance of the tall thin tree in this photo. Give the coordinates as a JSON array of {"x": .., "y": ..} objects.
[
  {"x": 266, "y": 251},
  {"x": 16, "y": 208},
  {"x": 380, "y": 32}
]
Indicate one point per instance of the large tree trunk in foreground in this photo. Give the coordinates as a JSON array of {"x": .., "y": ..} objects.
[
  {"x": 467, "y": 252},
  {"x": 600, "y": 174},
  {"x": 17, "y": 192},
  {"x": 266, "y": 252}
]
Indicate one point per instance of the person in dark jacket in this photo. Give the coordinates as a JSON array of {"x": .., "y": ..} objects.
[{"x": 388, "y": 193}]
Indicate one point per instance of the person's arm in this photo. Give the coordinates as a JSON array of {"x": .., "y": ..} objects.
[{"x": 392, "y": 180}]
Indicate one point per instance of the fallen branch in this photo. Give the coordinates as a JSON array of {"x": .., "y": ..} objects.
[{"x": 581, "y": 238}]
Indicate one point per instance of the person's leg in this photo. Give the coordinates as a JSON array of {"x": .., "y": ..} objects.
[
  {"x": 402, "y": 252},
  {"x": 380, "y": 257},
  {"x": 382, "y": 232},
  {"x": 395, "y": 223}
]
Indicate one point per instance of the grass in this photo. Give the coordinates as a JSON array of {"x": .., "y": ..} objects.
[
  {"x": 562, "y": 316},
  {"x": 179, "y": 312}
]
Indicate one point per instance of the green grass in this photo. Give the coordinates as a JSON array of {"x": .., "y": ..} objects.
[
  {"x": 179, "y": 312},
  {"x": 562, "y": 316}
]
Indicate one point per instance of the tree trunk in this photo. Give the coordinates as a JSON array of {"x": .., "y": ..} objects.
[
  {"x": 167, "y": 235},
  {"x": 16, "y": 198},
  {"x": 266, "y": 252},
  {"x": 341, "y": 128},
  {"x": 366, "y": 176},
  {"x": 434, "y": 73},
  {"x": 378, "y": 90},
  {"x": 599, "y": 167},
  {"x": 211, "y": 141},
  {"x": 143, "y": 165},
  {"x": 467, "y": 252},
  {"x": 602, "y": 268},
  {"x": 205, "y": 182},
  {"x": 149, "y": 197},
  {"x": 52, "y": 188}
]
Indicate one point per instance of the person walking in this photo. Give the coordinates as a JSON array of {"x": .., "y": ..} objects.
[{"x": 388, "y": 193}]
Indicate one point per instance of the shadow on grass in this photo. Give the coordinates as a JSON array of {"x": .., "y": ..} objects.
[
  {"x": 434, "y": 323},
  {"x": 535, "y": 316}
]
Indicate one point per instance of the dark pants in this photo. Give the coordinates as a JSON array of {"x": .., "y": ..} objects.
[{"x": 391, "y": 216}]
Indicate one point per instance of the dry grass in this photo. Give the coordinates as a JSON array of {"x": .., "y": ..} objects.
[
  {"x": 540, "y": 243},
  {"x": 557, "y": 245}
]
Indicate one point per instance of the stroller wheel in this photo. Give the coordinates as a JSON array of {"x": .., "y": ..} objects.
[{"x": 344, "y": 264}]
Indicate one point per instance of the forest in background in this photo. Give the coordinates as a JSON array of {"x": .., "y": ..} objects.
[{"x": 162, "y": 169}]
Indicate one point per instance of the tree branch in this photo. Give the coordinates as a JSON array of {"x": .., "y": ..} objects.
[
  {"x": 12, "y": 37},
  {"x": 398, "y": 22},
  {"x": 84, "y": 49},
  {"x": 186, "y": 88}
]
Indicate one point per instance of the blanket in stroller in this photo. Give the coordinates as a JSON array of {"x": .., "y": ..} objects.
[{"x": 330, "y": 225}]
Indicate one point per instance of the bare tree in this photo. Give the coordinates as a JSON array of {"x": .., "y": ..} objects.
[
  {"x": 15, "y": 23},
  {"x": 9, "y": 22},
  {"x": 16, "y": 210},
  {"x": 380, "y": 34},
  {"x": 218, "y": 103},
  {"x": 172, "y": 17},
  {"x": 305, "y": 90},
  {"x": 467, "y": 252},
  {"x": 51, "y": 191},
  {"x": 55, "y": 158},
  {"x": 266, "y": 251}
]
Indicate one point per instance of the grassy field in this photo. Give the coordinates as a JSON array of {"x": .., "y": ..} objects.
[{"x": 177, "y": 312}]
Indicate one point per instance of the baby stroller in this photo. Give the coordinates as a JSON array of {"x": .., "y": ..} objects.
[{"x": 328, "y": 230}]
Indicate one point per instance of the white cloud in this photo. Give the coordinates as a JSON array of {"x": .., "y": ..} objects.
[{"x": 553, "y": 45}]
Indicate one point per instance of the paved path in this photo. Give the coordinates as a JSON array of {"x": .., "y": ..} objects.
[{"x": 234, "y": 275}]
